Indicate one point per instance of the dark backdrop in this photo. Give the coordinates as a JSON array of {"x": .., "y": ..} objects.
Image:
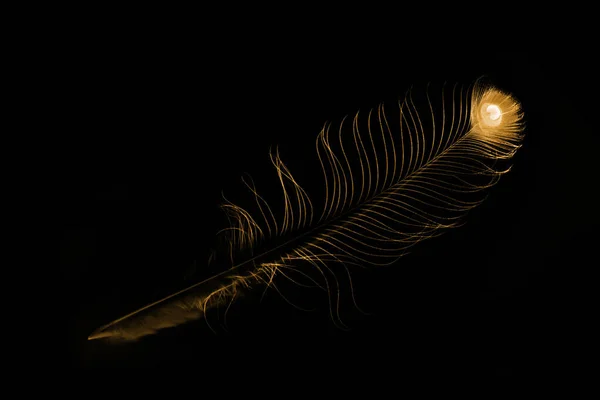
[{"x": 154, "y": 130}]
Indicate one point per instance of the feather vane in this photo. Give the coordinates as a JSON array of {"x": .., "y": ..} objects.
[{"x": 392, "y": 177}]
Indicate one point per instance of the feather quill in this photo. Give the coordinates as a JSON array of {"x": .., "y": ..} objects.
[{"x": 392, "y": 177}]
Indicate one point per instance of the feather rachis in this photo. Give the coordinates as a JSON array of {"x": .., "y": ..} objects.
[{"x": 388, "y": 185}]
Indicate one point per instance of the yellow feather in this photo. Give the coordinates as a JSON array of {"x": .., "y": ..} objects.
[{"x": 392, "y": 177}]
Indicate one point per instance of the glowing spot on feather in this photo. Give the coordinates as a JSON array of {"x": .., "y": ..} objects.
[
  {"x": 494, "y": 111},
  {"x": 491, "y": 114},
  {"x": 495, "y": 115}
]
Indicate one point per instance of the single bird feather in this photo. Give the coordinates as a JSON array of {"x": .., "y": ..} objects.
[{"x": 392, "y": 177}]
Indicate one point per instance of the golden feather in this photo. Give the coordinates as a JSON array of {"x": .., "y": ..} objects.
[{"x": 393, "y": 176}]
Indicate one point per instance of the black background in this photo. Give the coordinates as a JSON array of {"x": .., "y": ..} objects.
[{"x": 153, "y": 128}]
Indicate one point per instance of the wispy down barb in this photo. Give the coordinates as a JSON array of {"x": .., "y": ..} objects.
[{"x": 392, "y": 177}]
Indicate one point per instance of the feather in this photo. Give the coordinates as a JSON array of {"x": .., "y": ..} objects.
[{"x": 392, "y": 177}]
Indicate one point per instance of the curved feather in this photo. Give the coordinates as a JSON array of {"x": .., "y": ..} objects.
[{"x": 392, "y": 177}]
